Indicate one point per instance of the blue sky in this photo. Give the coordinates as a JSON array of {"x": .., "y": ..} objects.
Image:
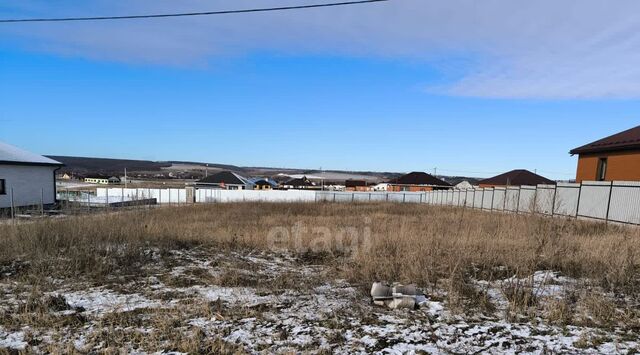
[{"x": 301, "y": 91}]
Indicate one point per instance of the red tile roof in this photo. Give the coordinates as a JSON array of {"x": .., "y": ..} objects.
[{"x": 629, "y": 139}]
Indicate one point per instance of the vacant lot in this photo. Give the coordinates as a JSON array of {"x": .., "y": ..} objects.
[{"x": 295, "y": 278}]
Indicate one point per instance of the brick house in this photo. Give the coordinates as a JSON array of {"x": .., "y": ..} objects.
[
  {"x": 356, "y": 185},
  {"x": 616, "y": 157},
  {"x": 417, "y": 182}
]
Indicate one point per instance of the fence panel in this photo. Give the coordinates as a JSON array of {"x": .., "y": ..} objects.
[
  {"x": 526, "y": 203},
  {"x": 470, "y": 199},
  {"x": 513, "y": 198},
  {"x": 594, "y": 200},
  {"x": 545, "y": 197},
  {"x": 625, "y": 202},
  {"x": 498, "y": 198},
  {"x": 477, "y": 198},
  {"x": 566, "y": 203},
  {"x": 487, "y": 198}
]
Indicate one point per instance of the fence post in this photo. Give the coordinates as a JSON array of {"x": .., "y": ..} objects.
[
  {"x": 473, "y": 201},
  {"x": 404, "y": 197},
  {"x": 553, "y": 203},
  {"x": 578, "y": 205},
  {"x": 107, "y": 199},
  {"x": 42, "y": 202},
  {"x": 13, "y": 206},
  {"x": 535, "y": 201},
  {"x": 482, "y": 201},
  {"x": 504, "y": 201},
  {"x": 493, "y": 197},
  {"x": 606, "y": 220},
  {"x": 518, "y": 202}
]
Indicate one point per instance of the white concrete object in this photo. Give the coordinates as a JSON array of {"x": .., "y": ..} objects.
[{"x": 26, "y": 179}]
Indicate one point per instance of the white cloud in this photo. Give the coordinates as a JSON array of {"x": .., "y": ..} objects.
[{"x": 527, "y": 49}]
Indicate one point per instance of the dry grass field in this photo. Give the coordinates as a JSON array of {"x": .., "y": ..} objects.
[{"x": 246, "y": 278}]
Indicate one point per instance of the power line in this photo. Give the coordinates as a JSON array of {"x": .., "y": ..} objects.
[{"x": 207, "y": 13}]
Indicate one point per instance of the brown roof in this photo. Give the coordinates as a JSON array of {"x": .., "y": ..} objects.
[
  {"x": 629, "y": 139},
  {"x": 355, "y": 183},
  {"x": 419, "y": 178},
  {"x": 517, "y": 178}
]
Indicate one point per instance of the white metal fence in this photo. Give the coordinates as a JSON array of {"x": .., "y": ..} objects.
[
  {"x": 616, "y": 201},
  {"x": 606, "y": 201},
  {"x": 216, "y": 195}
]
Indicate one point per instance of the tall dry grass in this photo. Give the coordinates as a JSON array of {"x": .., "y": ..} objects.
[{"x": 365, "y": 242}]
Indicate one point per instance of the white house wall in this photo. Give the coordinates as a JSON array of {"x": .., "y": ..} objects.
[{"x": 29, "y": 184}]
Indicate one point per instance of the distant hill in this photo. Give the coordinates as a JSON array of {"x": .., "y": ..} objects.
[{"x": 83, "y": 165}]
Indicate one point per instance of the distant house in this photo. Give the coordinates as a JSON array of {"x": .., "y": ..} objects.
[
  {"x": 264, "y": 184},
  {"x": 616, "y": 157},
  {"x": 26, "y": 178},
  {"x": 417, "y": 182},
  {"x": 226, "y": 180},
  {"x": 102, "y": 180},
  {"x": 301, "y": 183},
  {"x": 381, "y": 187},
  {"x": 463, "y": 185},
  {"x": 518, "y": 177},
  {"x": 356, "y": 185}
]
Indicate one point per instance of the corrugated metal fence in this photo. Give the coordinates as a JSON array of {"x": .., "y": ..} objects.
[{"x": 616, "y": 201}]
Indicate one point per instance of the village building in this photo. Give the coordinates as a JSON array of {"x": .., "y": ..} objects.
[
  {"x": 301, "y": 183},
  {"x": 357, "y": 185},
  {"x": 227, "y": 180},
  {"x": 616, "y": 157},
  {"x": 102, "y": 180},
  {"x": 26, "y": 179},
  {"x": 464, "y": 185},
  {"x": 519, "y": 177},
  {"x": 264, "y": 184},
  {"x": 417, "y": 182},
  {"x": 383, "y": 186}
]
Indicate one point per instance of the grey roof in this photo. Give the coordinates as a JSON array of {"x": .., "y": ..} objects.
[
  {"x": 225, "y": 177},
  {"x": 14, "y": 155}
]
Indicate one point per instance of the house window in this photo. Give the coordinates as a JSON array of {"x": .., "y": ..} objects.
[
  {"x": 3, "y": 187},
  {"x": 602, "y": 169}
]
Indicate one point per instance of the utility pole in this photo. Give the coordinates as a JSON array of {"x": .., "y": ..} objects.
[
  {"x": 435, "y": 171},
  {"x": 125, "y": 178},
  {"x": 206, "y": 170}
]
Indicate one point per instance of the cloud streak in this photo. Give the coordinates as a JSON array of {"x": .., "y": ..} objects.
[{"x": 518, "y": 49}]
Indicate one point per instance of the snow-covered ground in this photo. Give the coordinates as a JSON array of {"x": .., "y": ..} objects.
[{"x": 273, "y": 303}]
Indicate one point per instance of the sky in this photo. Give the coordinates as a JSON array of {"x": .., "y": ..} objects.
[{"x": 468, "y": 87}]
